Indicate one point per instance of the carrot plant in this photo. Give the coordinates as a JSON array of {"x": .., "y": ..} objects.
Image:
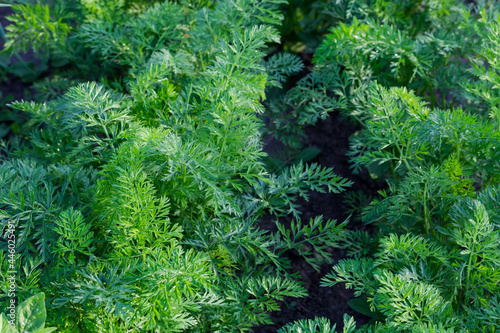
[
  {"x": 135, "y": 200},
  {"x": 369, "y": 43},
  {"x": 423, "y": 86}
]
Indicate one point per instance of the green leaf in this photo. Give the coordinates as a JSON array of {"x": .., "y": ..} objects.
[
  {"x": 15, "y": 128},
  {"x": 316, "y": 325},
  {"x": 5, "y": 327},
  {"x": 31, "y": 314},
  {"x": 308, "y": 154},
  {"x": 59, "y": 61},
  {"x": 4, "y": 61},
  {"x": 361, "y": 305},
  {"x": 4, "y": 130},
  {"x": 45, "y": 330},
  {"x": 2, "y": 31},
  {"x": 26, "y": 71},
  {"x": 377, "y": 169}
]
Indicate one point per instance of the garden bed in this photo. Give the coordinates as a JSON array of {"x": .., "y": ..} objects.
[{"x": 240, "y": 166}]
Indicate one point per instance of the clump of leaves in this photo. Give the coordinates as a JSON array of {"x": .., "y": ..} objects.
[
  {"x": 29, "y": 316},
  {"x": 433, "y": 265},
  {"x": 415, "y": 283},
  {"x": 136, "y": 210},
  {"x": 420, "y": 45}
]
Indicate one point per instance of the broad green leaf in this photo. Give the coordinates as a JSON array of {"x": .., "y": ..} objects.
[
  {"x": 4, "y": 130},
  {"x": 5, "y": 327},
  {"x": 31, "y": 314},
  {"x": 361, "y": 305},
  {"x": 45, "y": 330},
  {"x": 308, "y": 154}
]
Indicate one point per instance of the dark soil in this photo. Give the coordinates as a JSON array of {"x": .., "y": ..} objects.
[{"x": 332, "y": 137}]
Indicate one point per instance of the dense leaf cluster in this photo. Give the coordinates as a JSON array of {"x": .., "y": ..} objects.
[
  {"x": 422, "y": 84},
  {"x": 136, "y": 199}
]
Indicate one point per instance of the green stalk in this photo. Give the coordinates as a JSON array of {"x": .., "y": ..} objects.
[
  {"x": 222, "y": 149},
  {"x": 404, "y": 159},
  {"x": 468, "y": 275},
  {"x": 233, "y": 66},
  {"x": 469, "y": 265},
  {"x": 426, "y": 211},
  {"x": 459, "y": 147}
]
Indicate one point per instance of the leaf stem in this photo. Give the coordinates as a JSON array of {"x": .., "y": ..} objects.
[{"x": 426, "y": 211}]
